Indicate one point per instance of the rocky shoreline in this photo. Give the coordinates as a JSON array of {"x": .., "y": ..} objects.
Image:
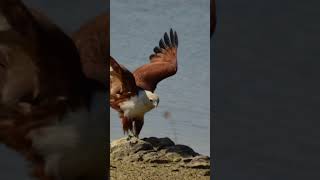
[{"x": 154, "y": 159}]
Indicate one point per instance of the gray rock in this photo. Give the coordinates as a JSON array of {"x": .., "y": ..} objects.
[
  {"x": 199, "y": 162},
  {"x": 159, "y": 143},
  {"x": 157, "y": 151},
  {"x": 182, "y": 150}
]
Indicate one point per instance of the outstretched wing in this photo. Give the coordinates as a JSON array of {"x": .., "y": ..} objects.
[
  {"x": 122, "y": 83},
  {"x": 92, "y": 41},
  {"x": 163, "y": 63}
]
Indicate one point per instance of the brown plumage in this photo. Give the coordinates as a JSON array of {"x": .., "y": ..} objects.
[
  {"x": 134, "y": 88},
  {"x": 163, "y": 63},
  {"x": 122, "y": 84}
]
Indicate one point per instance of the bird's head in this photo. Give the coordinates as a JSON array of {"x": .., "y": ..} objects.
[{"x": 153, "y": 99}]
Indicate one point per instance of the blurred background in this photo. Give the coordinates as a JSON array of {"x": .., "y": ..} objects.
[
  {"x": 69, "y": 16},
  {"x": 183, "y": 113},
  {"x": 266, "y": 73}
]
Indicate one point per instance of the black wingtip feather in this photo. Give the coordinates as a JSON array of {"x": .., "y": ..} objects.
[
  {"x": 172, "y": 38},
  {"x": 176, "y": 39},
  {"x": 161, "y": 44},
  {"x": 167, "y": 40},
  {"x": 157, "y": 50},
  {"x": 151, "y": 56}
]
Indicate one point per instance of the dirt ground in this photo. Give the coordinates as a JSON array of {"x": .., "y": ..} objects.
[{"x": 122, "y": 170}]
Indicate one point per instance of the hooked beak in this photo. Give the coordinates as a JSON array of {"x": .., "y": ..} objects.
[{"x": 156, "y": 103}]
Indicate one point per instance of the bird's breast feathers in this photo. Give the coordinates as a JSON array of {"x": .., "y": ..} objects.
[{"x": 137, "y": 105}]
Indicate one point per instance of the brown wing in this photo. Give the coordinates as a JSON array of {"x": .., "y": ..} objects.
[
  {"x": 163, "y": 63},
  {"x": 92, "y": 41},
  {"x": 122, "y": 84}
]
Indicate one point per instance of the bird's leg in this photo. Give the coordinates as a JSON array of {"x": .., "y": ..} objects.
[
  {"x": 131, "y": 134},
  {"x": 126, "y": 126},
  {"x": 137, "y": 126}
]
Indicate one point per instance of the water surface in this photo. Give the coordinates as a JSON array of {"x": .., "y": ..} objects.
[{"x": 136, "y": 28}]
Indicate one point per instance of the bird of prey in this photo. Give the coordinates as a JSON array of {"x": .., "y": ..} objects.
[
  {"x": 47, "y": 97},
  {"x": 132, "y": 94}
]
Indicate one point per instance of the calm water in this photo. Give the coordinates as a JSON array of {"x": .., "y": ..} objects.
[{"x": 136, "y": 28}]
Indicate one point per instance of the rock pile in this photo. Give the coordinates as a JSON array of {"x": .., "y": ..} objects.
[{"x": 154, "y": 158}]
